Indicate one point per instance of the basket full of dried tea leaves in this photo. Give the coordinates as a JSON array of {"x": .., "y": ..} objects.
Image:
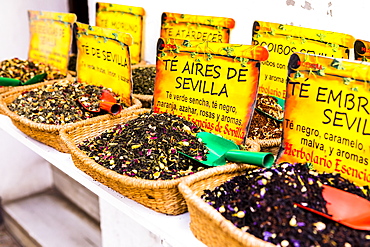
[
  {"x": 42, "y": 109},
  {"x": 24, "y": 70},
  {"x": 143, "y": 79},
  {"x": 267, "y": 129},
  {"x": 138, "y": 155},
  {"x": 256, "y": 207}
]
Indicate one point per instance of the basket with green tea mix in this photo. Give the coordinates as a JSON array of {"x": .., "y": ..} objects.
[
  {"x": 143, "y": 79},
  {"x": 138, "y": 156},
  {"x": 256, "y": 207},
  {"x": 24, "y": 70},
  {"x": 266, "y": 126},
  {"x": 42, "y": 109}
]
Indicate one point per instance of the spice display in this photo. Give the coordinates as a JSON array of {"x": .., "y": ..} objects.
[
  {"x": 261, "y": 202},
  {"x": 263, "y": 127},
  {"x": 148, "y": 147},
  {"x": 59, "y": 103},
  {"x": 143, "y": 78},
  {"x": 24, "y": 70}
]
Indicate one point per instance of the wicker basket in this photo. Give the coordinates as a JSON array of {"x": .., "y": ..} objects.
[
  {"x": 5, "y": 89},
  {"x": 47, "y": 133},
  {"x": 146, "y": 100},
  {"x": 206, "y": 223},
  {"x": 269, "y": 143},
  {"x": 162, "y": 196}
]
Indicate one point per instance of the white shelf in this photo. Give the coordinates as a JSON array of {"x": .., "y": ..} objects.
[{"x": 174, "y": 230}]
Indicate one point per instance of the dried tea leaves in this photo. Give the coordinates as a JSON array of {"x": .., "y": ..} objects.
[
  {"x": 143, "y": 78},
  {"x": 57, "y": 103},
  {"x": 261, "y": 202},
  {"x": 148, "y": 147},
  {"x": 24, "y": 70},
  {"x": 263, "y": 127},
  {"x": 270, "y": 106}
]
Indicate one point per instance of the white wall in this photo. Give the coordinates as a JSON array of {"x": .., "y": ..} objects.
[
  {"x": 14, "y": 31},
  {"x": 342, "y": 16}
]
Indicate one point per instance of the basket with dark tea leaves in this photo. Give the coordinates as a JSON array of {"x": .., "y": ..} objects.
[
  {"x": 258, "y": 207},
  {"x": 139, "y": 155}
]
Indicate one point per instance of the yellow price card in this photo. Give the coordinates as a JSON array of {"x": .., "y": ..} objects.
[
  {"x": 196, "y": 27},
  {"x": 51, "y": 38},
  {"x": 362, "y": 50},
  {"x": 283, "y": 40},
  {"x": 327, "y": 116},
  {"x": 127, "y": 19},
  {"x": 213, "y": 85},
  {"x": 103, "y": 59}
]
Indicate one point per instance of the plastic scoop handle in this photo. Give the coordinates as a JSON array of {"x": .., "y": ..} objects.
[
  {"x": 107, "y": 103},
  {"x": 35, "y": 79},
  {"x": 111, "y": 107},
  {"x": 260, "y": 159},
  {"x": 4, "y": 81}
]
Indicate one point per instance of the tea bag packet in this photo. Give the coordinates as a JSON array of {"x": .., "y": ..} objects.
[
  {"x": 327, "y": 116},
  {"x": 127, "y": 19},
  {"x": 51, "y": 38},
  {"x": 196, "y": 27},
  {"x": 362, "y": 50},
  {"x": 283, "y": 40},
  {"x": 213, "y": 85},
  {"x": 103, "y": 59}
]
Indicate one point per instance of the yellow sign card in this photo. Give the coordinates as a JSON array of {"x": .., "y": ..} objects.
[
  {"x": 362, "y": 50},
  {"x": 51, "y": 38},
  {"x": 196, "y": 27},
  {"x": 327, "y": 116},
  {"x": 103, "y": 58},
  {"x": 127, "y": 19},
  {"x": 213, "y": 85},
  {"x": 283, "y": 40}
]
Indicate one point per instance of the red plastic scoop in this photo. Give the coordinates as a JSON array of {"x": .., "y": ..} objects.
[
  {"x": 346, "y": 208},
  {"x": 107, "y": 103}
]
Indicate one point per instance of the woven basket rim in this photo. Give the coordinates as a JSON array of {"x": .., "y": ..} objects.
[
  {"x": 144, "y": 97},
  {"x": 255, "y": 146},
  {"x": 274, "y": 142},
  {"x": 143, "y": 183},
  {"x": 230, "y": 229},
  {"x": 50, "y": 127}
]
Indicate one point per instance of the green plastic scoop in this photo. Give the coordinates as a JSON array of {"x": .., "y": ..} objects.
[
  {"x": 4, "y": 81},
  {"x": 281, "y": 102},
  {"x": 221, "y": 150}
]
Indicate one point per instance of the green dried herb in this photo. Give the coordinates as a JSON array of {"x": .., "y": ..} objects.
[
  {"x": 57, "y": 103},
  {"x": 24, "y": 70},
  {"x": 148, "y": 147},
  {"x": 143, "y": 79}
]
